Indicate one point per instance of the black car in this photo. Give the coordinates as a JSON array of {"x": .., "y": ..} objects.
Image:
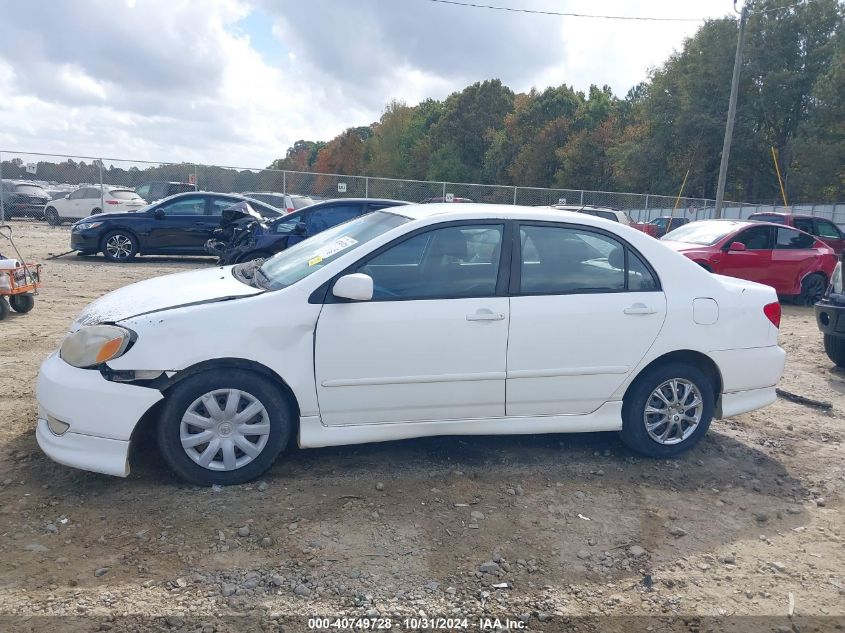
[
  {"x": 178, "y": 225},
  {"x": 268, "y": 238},
  {"x": 23, "y": 199},
  {"x": 830, "y": 317}
]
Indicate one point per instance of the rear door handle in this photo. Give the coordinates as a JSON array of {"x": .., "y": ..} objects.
[
  {"x": 485, "y": 315},
  {"x": 639, "y": 308}
]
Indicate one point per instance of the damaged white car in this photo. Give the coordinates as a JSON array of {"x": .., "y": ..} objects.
[{"x": 414, "y": 321}]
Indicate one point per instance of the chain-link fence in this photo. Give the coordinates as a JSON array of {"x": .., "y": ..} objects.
[{"x": 58, "y": 176}]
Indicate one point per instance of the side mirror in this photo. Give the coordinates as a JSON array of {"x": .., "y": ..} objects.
[
  {"x": 736, "y": 246},
  {"x": 158, "y": 214},
  {"x": 299, "y": 229},
  {"x": 357, "y": 286}
]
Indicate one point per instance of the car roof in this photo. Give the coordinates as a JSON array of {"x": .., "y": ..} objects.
[
  {"x": 784, "y": 214},
  {"x": 481, "y": 210},
  {"x": 581, "y": 207},
  {"x": 322, "y": 203}
]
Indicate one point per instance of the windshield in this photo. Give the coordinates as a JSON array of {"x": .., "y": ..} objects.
[
  {"x": 704, "y": 233},
  {"x": 309, "y": 256}
]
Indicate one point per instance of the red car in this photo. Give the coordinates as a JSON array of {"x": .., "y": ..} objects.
[
  {"x": 794, "y": 263},
  {"x": 823, "y": 229}
]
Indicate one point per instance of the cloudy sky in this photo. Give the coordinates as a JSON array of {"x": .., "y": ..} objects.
[{"x": 235, "y": 82}]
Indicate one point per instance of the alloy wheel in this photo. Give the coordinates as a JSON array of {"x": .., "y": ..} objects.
[
  {"x": 224, "y": 429},
  {"x": 673, "y": 411},
  {"x": 119, "y": 246}
]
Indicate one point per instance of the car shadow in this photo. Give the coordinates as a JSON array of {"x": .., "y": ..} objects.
[{"x": 567, "y": 493}]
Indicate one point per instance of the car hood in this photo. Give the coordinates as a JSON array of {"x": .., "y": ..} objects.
[{"x": 165, "y": 293}]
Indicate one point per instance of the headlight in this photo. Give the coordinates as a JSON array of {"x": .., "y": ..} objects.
[
  {"x": 92, "y": 345},
  {"x": 836, "y": 279},
  {"x": 86, "y": 225}
]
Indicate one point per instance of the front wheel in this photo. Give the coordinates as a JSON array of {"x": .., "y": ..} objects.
[
  {"x": 52, "y": 217},
  {"x": 22, "y": 303},
  {"x": 834, "y": 347},
  {"x": 223, "y": 427},
  {"x": 119, "y": 246},
  {"x": 667, "y": 410}
]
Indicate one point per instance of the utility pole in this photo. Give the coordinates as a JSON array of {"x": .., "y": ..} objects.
[{"x": 729, "y": 127}]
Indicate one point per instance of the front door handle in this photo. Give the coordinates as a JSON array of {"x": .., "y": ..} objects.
[
  {"x": 485, "y": 315},
  {"x": 639, "y": 308}
]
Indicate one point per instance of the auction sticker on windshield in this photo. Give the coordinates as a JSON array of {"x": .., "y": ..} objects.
[{"x": 340, "y": 244}]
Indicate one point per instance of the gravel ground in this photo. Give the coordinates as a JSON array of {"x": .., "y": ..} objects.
[{"x": 554, "y": 532}]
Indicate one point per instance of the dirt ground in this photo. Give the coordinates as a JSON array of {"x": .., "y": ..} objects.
[{"x": 554, "y": 532}]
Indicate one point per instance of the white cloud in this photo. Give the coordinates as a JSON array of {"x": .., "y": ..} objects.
[{"x": 181, "y": 80}]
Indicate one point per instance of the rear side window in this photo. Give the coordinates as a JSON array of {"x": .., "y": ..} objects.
[
  {"x": 607, "y": 215},
  {"x": 804, "y": 224},
  {"x": 559, "y": 260},
  {"x": 792, "y": 239}
]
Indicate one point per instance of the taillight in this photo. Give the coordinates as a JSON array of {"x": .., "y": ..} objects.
[
  {"x": 291, "y": 209},
  {"x": 772, "y": 312},
  {"x": 112, "y": 201}
]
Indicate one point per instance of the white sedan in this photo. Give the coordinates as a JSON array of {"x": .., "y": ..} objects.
[
  {"x": 421, "y": 320},
  {"x": 88, "y": 200}
]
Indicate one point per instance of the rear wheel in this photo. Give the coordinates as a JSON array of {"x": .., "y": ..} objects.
[
  {"x": 834, "y": 347},
  {"x": 223, "y": 427},
  {"x": 119, "y": 246},
  {"x": 812, "y": 289},
  {"x": 52, "y": 216},
  {"x": 667, "y": 410},
  {"x": 22, "y": 303}
]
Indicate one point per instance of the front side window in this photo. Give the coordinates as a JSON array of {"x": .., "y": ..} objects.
[
  {"x": 79, "y": 193},
  {"x": 184, "y": 206},
  {"x": 792, "y": 239},
  {"x": 757, "y": 238},
  {"x": 560, "y": 260},
  {"x": 827, "y": 229},
  {"x": 449, "y": 262}
]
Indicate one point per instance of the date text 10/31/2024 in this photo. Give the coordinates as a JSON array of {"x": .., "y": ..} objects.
[{"x": 416, "y": 624}]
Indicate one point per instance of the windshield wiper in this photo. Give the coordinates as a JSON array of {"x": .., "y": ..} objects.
[{"x": 264, "y": 280}]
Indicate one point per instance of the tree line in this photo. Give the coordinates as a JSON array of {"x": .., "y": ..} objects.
[{"x": 791, "y": 98}]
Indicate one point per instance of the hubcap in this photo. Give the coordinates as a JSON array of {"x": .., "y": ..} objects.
[
  {"x": 224, "y": 429},
  {"x": 119, "y": 246},
  {"x": 673, "y": 411}
]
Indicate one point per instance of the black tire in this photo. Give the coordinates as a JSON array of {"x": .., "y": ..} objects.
[
  {"x": 812, "y": 289},
  {"x": 4, "y": 308},
  {"x": 185, "y": 396},
  {"x": 834, "y": 347},
  {"x": 123, "y": 245},
  {"x": 52, "y": 216},
  {"x": 96, "y": 211},
  {"x": 640, "y": 395},
  {"x": 254, "y": 255},
  {"x": 22, "y": 303}
]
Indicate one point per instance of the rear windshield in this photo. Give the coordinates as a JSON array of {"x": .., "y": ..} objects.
[
  {"x": 124, "y": 194},
  {"x": 33, "y": 190},
  {"x": 301, "y": 202},
  {"x": 704, "y": 233}
]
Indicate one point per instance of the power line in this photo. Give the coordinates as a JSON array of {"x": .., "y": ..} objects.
[{"x": 567, "y": 14}]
